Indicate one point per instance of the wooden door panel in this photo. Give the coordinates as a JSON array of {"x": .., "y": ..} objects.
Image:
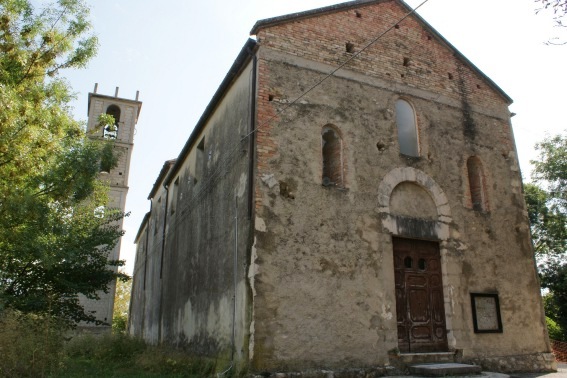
[
  {"x": 419, "y": 296},
  {"x": 421, "y": 332},
  {"x": 418, "y": 306}
]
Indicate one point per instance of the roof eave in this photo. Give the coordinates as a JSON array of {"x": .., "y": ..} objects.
[
  {"x": 162, "y": 174},
  {"x": 273, "y": 21},
  {"x": 142, "y": 227}
]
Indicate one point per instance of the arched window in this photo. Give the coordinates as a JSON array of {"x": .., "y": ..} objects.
[
  {"x": 477, "y": 185},
  {"x": 407, "y": 130},
  {"x": 111, "y": 131},
  {"x": 332, "y": 151}
]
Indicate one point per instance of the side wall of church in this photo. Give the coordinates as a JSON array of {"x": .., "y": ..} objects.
[
  {"x": 204, "y": 212},
  {"x": 322, "y": 262}
]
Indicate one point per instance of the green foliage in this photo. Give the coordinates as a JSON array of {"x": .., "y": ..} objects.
[
  {"x": 547, "y": 209},
  {"x": 554, "y": 277},
  {"x": 105, "y": 348},
  {"x": 164, "y": 361},
  {"x": 551, "y": 167},
  {"x": 123, "y": 356},
  {"x": 548, "y": 221},
  {"x": 549, "y": 305},
  {"x": 554, "y": 330},
  {"x": 552, "y": 312},
  {"x": 54, "y": 244},
  {"x": 30, "y": 346},
  {"x": 121, "y": 306}
]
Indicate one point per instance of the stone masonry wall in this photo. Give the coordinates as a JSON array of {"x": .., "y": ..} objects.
[{"x": 323, "y": 266}]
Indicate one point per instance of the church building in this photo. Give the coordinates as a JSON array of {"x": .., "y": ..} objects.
[{"x": 350, "y": 199}]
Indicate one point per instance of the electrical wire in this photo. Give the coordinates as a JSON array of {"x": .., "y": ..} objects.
[
  {"x": 305, "y": 93},
  {"x": 223, "y": 166}
]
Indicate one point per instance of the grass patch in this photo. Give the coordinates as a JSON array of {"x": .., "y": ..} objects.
[
  {"x": 35, "y": 346},
  {"x": 122, "y": 356}
]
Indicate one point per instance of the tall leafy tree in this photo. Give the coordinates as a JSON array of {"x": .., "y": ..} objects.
[
  {"x": 547, "y": 208},
  {"x": 55, "y": 233},
  {"x": 548, "y": 222}
]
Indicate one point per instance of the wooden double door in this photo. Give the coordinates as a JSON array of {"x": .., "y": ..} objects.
[{"x": 419, "y": 296}]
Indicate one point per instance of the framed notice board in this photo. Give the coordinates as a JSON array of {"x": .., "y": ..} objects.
[{"x": 486, "y": 313}]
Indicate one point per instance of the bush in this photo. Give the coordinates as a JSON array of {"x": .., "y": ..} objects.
[
  {"x": 127, "y": 356},
  {"x": 119, "y": 323},
  {"x": 118, "y": 347},
  {"x": 554, "y": 330},
  {"x": 30, "y": 345}
]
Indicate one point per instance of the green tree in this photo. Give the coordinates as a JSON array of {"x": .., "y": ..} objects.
[
  {"x": 547, "y": 210},
  {"x": 548, "y": 222},
  {"x": 54, "y": 238},
  {"x": 121, "y": 306}
]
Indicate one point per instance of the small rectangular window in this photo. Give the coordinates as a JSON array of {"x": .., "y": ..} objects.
[
  {"x": 200, "y": 161},
  {"x": 173, "y": 196},
  {"x": 156, "y": 216}
]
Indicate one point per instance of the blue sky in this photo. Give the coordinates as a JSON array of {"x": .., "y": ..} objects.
[{"x": 176, "y": 53}]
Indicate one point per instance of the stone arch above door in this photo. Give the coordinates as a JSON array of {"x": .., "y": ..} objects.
[{"x": 401, "y": 225}]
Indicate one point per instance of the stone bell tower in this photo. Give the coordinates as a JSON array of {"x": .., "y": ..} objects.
[{"x": 125, "y": 113}]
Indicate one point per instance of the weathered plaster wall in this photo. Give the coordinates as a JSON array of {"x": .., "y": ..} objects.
[
  {"x": 211, "y": 185},
  {"x": 322, "y": 268},
  {"x": 145, "y": 310},
  {"x": 137, "y": 294}
]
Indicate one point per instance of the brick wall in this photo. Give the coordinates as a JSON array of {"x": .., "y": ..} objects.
[
  {"x": 408, "y": 54},
  {"x": 266, "y": 118},
  {"x": 559, "y": 350}
]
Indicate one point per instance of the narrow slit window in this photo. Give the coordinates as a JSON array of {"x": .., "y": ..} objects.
[
  {"x": 476, "y": 184},
  {"x": 156, "y": 216},
  {"x": 407, "y": 128},
  {"x": 332, "y": 153}
]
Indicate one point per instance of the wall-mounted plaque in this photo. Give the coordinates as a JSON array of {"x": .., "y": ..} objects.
[{"x": 486, "y": 313}]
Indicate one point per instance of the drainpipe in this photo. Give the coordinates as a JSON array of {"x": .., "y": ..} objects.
[
  {"x": 161, "y": 263},
  {"x": 145, "y": 275}
]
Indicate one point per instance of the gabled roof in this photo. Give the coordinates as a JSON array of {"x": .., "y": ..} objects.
[{"x": 294, "y": 17}]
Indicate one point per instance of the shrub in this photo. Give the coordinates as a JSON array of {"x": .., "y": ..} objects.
[
  {"x": 117, "y": 347},
  {"x": 554, "y": 330},
  {"x": 30, "y": 345}
]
